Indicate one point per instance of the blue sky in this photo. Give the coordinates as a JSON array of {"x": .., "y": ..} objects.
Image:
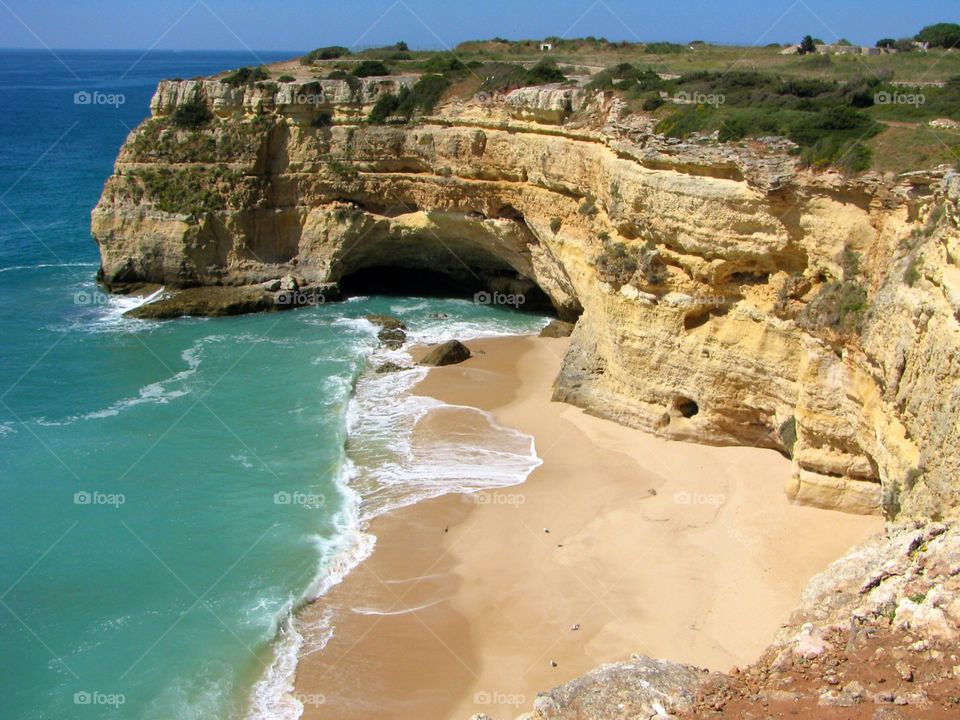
[{"x": 302, "y": 24}]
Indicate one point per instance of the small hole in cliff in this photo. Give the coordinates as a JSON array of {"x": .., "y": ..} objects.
[
  {"x": 511, "y": 213},
  {"x": 695, "y": 320},
  {"x": 686, "y": 407}
]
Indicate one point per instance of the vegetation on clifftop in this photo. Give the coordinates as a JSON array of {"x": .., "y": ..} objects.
[
  {"x": 246, "y": 75},
  {"x": 422, "y": 96},
  {"x": 225, "y": 141},
  {"x": 192, "y": 190}
]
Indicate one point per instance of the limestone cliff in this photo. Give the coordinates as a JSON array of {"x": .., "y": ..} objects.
[{"x": 724, "y": 294}]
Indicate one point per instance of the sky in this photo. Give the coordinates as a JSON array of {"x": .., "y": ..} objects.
[{"x": 299, "y": 25}]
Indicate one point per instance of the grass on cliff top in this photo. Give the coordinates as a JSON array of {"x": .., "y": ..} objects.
[
  {"x": 915, "y": 147},
  {"x": 598, "y": 53},
  {"x": 832, "y": 121}
]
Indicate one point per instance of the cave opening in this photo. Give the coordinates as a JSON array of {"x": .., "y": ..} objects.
[
  {"x": 686, "y": 407},
  {"x": 498, "y": 288}
]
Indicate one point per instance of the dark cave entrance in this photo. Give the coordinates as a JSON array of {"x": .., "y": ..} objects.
[{"x": 483, "y": 285}]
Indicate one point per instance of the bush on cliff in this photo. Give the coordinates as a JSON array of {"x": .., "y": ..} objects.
[
  {"x": 442, "y": 63},
  {"x": 616, "y": 264},
  {"x": 246, "y": 75},
  {"x": 831, "y": 136},
  {"x": 422, "y": 96},
  {"x": 324, "y": 53},
  {"x": 191, "y": 191},
  {"x": 386, "y": 106},
  {"x": 545, "y": 71},
  {"x": 839, "y": 305},
  {"x": 370, "y": 68},
  {"x": 192, "y": 114}
]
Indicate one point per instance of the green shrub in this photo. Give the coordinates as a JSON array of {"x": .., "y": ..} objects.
[
  {"x": 192, "y": 114},
  {"x": 324, "y": 53},
  {"x": 442, "y": 63},
  {"x": 555, "y": 224},
  {"x": 386, "y": 106},
  {"x": 342, "y": 169},
  {"x": 588, "y": 206},
  {"x": 545, "y": 71},
  {"x": 912, "y": 274},
  {"x": 422, "y": 96},
  {"x": 616, "y": 264},
  {"x": 664, "y": 48},
  {"x": 944, "y": 35},
  {"x": 246, "y": 75},
  {"x": 286, "y": 78},
  {"x": 370, "y": 68},
  {"x": 192, "y": 190},
  {"x": 839, "y": 305},
  {"x": 502, "y": 76},
  {"x": 788, "y": 434},
  {"x": 347, "y": 213},
  {"x": 652, "y": 267},
  {"x": 653, "y": 103}
]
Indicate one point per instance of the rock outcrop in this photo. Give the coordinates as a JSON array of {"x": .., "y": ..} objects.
[
  {"x": 722, "y": 294},
  {"x": 640, "y": 687},
  {"x": 448, "y": 353}
]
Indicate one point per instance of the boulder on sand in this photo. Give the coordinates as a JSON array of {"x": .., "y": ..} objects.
[{"x": 449, "y": 353}]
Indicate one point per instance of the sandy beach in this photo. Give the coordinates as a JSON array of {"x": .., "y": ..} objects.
[{"x": 619, "y": 543}]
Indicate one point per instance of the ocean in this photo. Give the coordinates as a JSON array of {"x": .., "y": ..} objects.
[{"x": 172, "y": 492}]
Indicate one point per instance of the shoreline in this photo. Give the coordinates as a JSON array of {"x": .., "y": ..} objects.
[{"x": 620, "y": 542}]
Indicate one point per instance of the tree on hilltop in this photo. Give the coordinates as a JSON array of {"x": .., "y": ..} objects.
[
  {"x": 807, "y": 46},
  {"x": 944, "y": 35}
]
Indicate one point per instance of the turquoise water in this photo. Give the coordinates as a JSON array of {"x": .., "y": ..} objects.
[{"x": 170, "y": 491}]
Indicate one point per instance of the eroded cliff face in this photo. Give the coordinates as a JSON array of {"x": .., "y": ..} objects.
[{"x": 714, "y": 285}]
